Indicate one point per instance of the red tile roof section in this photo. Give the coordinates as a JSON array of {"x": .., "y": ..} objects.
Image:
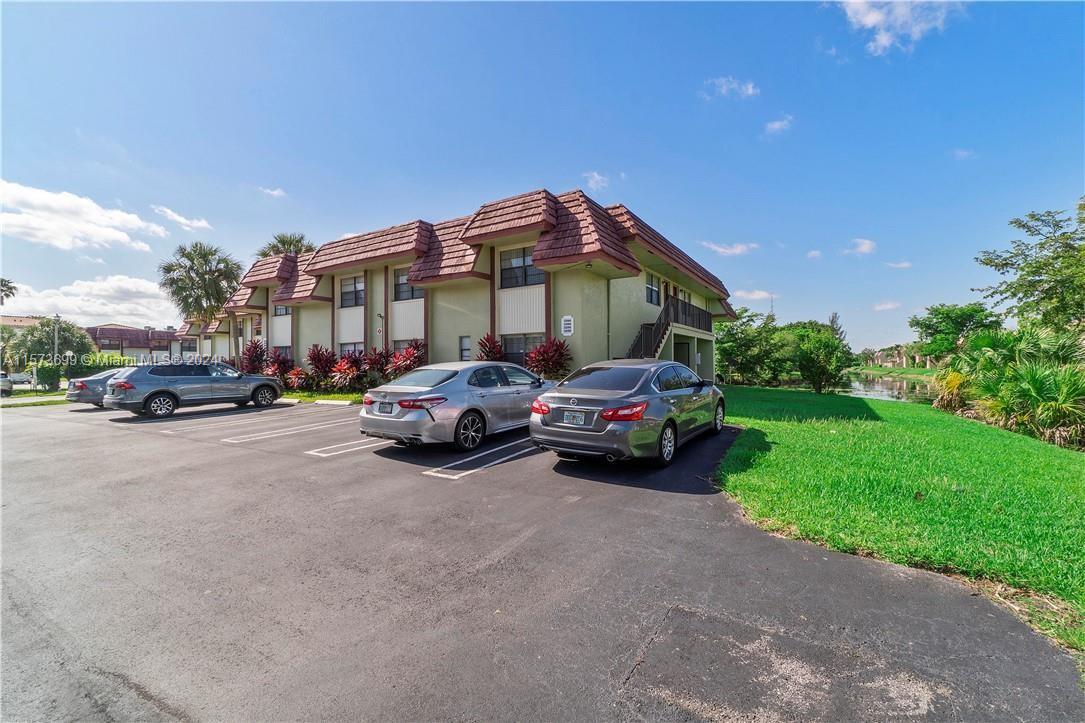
[
  {"x": 583, "y": 229},
  {"x": 534, "y": 211},
  {"x": 301, "y": 286},
  {"x": 129, "y": 336},
  {"x": 241, "y": 298},
  {"x": 447, "y": 256},
  {"x": 270, "y": 271},
  {"x": 631, "y": 225},
  {"x": 406, "y": 239}
]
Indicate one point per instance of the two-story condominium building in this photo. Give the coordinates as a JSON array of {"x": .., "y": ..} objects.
[{"x": 524, "y": 269}]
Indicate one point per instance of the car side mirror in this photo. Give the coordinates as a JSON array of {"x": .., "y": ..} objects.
[{"x": 536, "y": 384}]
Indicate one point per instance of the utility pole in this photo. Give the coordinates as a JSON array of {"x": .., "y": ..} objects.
[{"x": 56, "y": 338}]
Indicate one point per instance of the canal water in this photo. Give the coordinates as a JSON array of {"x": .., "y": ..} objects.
[{"x": 895, "y": 388}]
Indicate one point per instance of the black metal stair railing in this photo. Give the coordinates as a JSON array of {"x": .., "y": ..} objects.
[{"x": 675, "y": 311}]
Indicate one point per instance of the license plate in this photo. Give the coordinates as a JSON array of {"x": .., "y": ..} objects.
[
  {"x": 573, "y": 418},
  {"x": 384, "y": 408}
]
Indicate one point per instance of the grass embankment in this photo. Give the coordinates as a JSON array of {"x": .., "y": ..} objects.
[
  {"x": 899, "y": 372},
  {"x": 16, "y": 393},
  {"x": 353, "y": 397},
  {"x": 916, "y": 486}
]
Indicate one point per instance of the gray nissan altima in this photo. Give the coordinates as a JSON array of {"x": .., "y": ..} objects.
[
  {"x": 624, "y": 409},
  {"x": 457, "y": 402}
]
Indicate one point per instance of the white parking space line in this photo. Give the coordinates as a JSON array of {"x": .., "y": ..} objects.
[
  {"x": 281, "y": 432},
  {"x": 517, "y": 453},
  {"x": 354, "y": 446},
  {"x": 250, "y": 418},
  {"x": 444, "y": 473}
]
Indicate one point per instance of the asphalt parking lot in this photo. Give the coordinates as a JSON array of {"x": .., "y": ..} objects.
[{"x": 273, "y": 565}]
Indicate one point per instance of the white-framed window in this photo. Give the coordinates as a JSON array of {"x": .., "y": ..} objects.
[
  {"x": 516, "y": 346},
  {"x": 352, "y": 291},
  {"x": 400, "y": 344},
  {"x": 517, "y": 269},
  {"x": 403, "y": 290},
  {"x": 683, "y": 295},
  {"x": 358, "y": 346},
  {"x": 284, "y": 350},
  {"x": 257, "y": 325},
  {"x": 465, "y": 348},
  {"x": 283, "y": 310},
  {"x": 651, "y": 288},
  {"x": 188, "y": 346}
]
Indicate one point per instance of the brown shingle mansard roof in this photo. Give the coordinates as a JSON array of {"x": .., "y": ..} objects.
[
  {"x": 572, "y": 228},
  {"x": 405, "y": 239},
  {"x": 240, "y": 300},
  {"x": 630, "y": 225},
  {"x": 447, "y": 255},
  {"x": 301, "y": 286},
  {"x": 270, "y": 271},
  {"x": 534, "y": 211}
]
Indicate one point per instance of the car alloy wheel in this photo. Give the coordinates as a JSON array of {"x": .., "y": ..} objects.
[
  {"x": 469, "y": 432},
  {"x": 161, "y": 406},
  {"x": 264, "y": 397},
  {"x": 717, "y": 422}
]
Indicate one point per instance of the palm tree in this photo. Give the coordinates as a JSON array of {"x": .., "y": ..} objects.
[
  {"x": 285, "y": 243},
  {"x": 7, "y": 290},
  {"x": 199, "y": 279}
]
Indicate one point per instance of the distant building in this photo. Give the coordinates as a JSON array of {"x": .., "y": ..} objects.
[
  {"x": 146, "y": 345},
  {"x": 19, "y": 322}
]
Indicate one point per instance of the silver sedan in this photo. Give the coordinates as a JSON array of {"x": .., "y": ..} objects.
[
  {"x": 89, "y": 390},
  {"x": 626, "y": 409},
  {"x": 457, "y": 402}
]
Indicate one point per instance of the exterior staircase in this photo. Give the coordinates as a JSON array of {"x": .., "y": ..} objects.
[{"x": 650, "y": 338}]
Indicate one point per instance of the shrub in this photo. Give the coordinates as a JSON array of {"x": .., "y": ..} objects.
[
  {"x": 550, "y": 360},
  {"x": 489, "y": 349},
  {"x": 345, "y": 373},
  {"x": 375, "y": 365},
  {"x": 278, "y": 365},
  {"x": 98, "y": 362},
  {"x": 404, "y": 361},
  {"x": 48, "y": 375},
  {"x": 321, "y": 362},
  {"x": 254, "y": 357},
  {"x": 297, "y": 378}
]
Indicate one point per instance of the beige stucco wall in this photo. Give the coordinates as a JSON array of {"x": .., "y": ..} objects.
[
  {"x": 314, "y": 326},
  {"x": 583, "y": 295},
  {"x": 461, "y": 309},
  {"x": 628, "y": 310},
  {"x": 374, "y": 296}
]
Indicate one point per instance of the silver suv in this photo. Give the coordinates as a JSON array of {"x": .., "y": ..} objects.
[{"x": 159, "y": 389}]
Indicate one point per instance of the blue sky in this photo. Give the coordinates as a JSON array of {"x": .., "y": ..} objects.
[{"x": 750, "y": 134}]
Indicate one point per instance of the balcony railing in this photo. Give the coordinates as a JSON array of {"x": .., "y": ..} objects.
[{"x": 675, "y": 311}]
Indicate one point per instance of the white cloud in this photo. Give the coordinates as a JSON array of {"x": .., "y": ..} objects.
[
  {"x": 755, "y": 295},
  {"x": 887, "y": 306},
  {"x": 91, "y": 259},
  {"x": 897, "y": 24},
  {"x": 732, "y": 250},
  {"x": 899, "y": 264},
  {"x": 114, "y": 299},
  {"x": 622, "y": 176},
  {"x": 962, "y": 154},
  {"x": 781, "y": 125},
  {"x": 67, "y": 221},
  {"x": 596, "y": 180},
  {"x": 274, "y": 192},
  {"x": 188, "y": 224},
  {"x": 861, "y": 246},
  {"x": 729, "y": 85},
  {"x": 815, "y": 254}
]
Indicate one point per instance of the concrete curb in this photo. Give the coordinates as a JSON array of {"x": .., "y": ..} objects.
[{"x": 334, "y": 402}]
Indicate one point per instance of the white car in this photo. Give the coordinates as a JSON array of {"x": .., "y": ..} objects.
[
  {"x": 20, "y": 378},
  {"x": 5, "y": 384}
]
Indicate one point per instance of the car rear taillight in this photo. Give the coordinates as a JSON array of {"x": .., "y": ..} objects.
[
  {"x": 421, "y": 403},
  {"x": 628, "y": 413},
  {"x": 367, "y": 400},
  {"x": 123, "y": 385},
  {"x": 538, "y": 407},
  {"x": 79, "y": 386}
]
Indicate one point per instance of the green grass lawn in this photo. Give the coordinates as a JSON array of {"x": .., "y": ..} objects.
[
  {"x": 913, "y": 485},
  {"x": 16, "y": 393},
  {"x": 355, "y": 397}
]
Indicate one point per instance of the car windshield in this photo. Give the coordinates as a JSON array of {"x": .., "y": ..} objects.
[
  {"x": 611, "y": 379},
  {"x": 425, "y": 378}
]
